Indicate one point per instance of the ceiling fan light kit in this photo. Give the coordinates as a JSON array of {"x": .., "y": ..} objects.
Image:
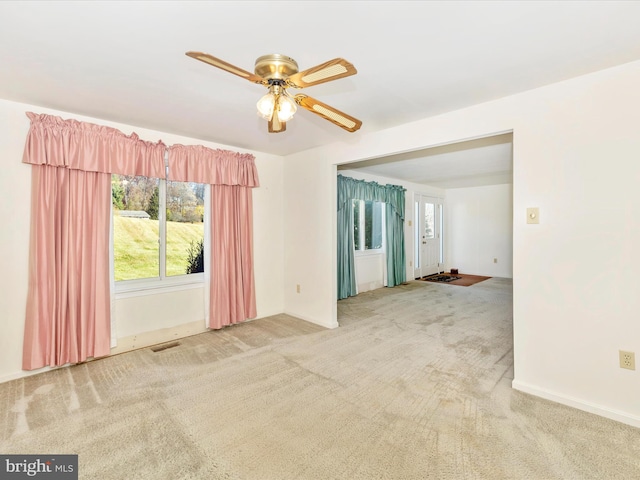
[{"x": 279, "y": 72}]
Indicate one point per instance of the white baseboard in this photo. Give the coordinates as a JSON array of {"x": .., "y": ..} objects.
[
  {"x": 585, "y": 406},
  {"x": 312, "y": 320}
]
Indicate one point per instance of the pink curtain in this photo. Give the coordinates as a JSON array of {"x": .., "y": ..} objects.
[
  {"x": 91, "y": 148},
  {"x": 231, "y": 176},
  {"x": 233, "y": 297},
  {"x": 215, "y": 167},
  {"x": 68, "y": 303}
]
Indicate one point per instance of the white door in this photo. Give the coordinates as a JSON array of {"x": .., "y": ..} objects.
[{"x": 428, "y": 235}]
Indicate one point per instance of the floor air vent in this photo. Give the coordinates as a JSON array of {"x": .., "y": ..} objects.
[{"x": 164, "y": 346}]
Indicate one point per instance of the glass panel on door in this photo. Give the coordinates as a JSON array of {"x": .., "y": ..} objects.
[{"x": 429, "y": 220}]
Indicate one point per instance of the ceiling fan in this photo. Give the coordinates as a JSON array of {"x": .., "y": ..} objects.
[{"x": 279, "y": 72}]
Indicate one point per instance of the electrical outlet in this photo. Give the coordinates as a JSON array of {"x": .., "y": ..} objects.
[
  {"x": 627, "y": 360},
  {"x": 298, "y": 288}
]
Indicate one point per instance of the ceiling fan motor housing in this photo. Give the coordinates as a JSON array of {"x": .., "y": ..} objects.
[{"x": 275, "y": 67}]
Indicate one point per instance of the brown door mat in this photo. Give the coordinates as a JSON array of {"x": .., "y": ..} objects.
[{"x": 461, "y": 279}]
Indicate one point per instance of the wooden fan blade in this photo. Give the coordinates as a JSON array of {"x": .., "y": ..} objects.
[
  {"x": 331, "y": 70},
  {"x": 216, "y": 62},
  {"x": 335, "y": 116}
]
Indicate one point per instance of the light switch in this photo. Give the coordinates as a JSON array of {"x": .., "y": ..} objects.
[{"x": 533, "y": 215}]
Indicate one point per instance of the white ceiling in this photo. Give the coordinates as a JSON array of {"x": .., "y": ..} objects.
[{"x": 125, "y": 62}]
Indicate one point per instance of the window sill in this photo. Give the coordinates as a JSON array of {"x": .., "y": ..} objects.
[
  {"x": 138, "y": 288},
  {"x": 365, "y": 253}
]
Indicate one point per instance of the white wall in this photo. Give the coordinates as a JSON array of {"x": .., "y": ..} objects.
[
  {"x": 143, "y": 319},
  {"x": 310, "y": 238},
  {"x": 480, "y": 228},
  {"x": 577, "y": 158},
  {"x": 370, "y": 271}
]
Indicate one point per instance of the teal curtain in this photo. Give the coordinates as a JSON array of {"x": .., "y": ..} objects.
[
  {"x": 396, "y": 258},
  {"x": 393, "y": 196},
  {"x": 346, "y": 267}
]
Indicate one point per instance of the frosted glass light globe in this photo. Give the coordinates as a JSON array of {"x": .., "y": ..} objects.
[
  {"x": 286, "y": 108},
  {"x": 266, "y": 105}
]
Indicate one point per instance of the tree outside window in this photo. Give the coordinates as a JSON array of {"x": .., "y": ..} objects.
[{"x": 147, "y": 244}]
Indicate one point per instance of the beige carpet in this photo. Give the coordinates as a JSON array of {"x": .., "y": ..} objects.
[{"x": 414, "y": 385}]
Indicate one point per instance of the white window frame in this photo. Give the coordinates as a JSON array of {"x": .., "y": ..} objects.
[
  {"x": 361, "y": 220},
  {"x": 164, "y": 283}
]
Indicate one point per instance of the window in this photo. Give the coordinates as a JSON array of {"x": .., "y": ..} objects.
[
  {"x": 429, "y": 221},
  {"x": 148, "y": 244},
  {"x": 441, "y": 230},
  {"x": 368, "y": 217}
]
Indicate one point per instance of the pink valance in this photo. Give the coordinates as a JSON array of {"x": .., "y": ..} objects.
[
  {"x": 196, "y": 163},
  {"x": 91, "y": 148}
]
